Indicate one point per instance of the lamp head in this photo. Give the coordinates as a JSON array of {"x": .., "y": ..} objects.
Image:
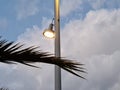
[{"x": 49, "y": 33}]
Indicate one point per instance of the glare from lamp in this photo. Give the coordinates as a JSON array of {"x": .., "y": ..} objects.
[{"x": 49, "y": 33}]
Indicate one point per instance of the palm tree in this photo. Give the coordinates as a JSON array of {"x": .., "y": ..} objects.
[{"x": 11, "y": 53}]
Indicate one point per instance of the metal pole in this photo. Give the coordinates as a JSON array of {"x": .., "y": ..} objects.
[{"x": 57, "y": 44}]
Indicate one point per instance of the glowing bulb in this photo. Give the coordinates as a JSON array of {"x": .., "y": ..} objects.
[{"x": 49, "y": 33}]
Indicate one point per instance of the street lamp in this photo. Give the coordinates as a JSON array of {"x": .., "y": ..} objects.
[
  {"x": 56, "y": 35},
  {"x": 49, "y": 33}
]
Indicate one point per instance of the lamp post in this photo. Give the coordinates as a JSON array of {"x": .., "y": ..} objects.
[
  {"x": 57, "y": 44},
  {"x": 56, "y": 34}
]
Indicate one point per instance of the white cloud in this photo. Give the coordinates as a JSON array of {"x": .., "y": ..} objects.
[
  {"x": 18, "y": 77},
  {"x": 36, "y": 34},
  {"x": 68, "y": 6},
  {"x": 93, "y": 41},
  {"x": 103, "y": 74},
  {"x": 94, "y": 34},
  {"x": 26, "y": 8},
  {"x": 97, "y": 4}
]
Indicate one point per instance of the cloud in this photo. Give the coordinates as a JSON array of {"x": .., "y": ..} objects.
[
  {"x": 98, "y": 4},
  {"x": 18, "y": 77},
  {"x": 103, "y": 74},
  {"x": 68, "y": 7},
  {"x": 82, "y": 7},
  {"x": 94, "y": 34},
  {"x": 93, "y": 41},
  {"x": 26, "y": 8},
  {"x": 36, "y": 34}
]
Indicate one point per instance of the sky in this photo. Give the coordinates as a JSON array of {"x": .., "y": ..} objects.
[{"x": 89, "y": 34}]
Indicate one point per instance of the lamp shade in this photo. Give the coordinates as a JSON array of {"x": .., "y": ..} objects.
[{"x": 49, "y": 33}]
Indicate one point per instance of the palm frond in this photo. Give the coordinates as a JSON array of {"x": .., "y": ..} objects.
[
  {"x": 11, "y": 53},
  {"x": 4, "y": 89}
]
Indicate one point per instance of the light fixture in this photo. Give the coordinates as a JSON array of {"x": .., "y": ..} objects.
[{"x": 49, "y": 33}]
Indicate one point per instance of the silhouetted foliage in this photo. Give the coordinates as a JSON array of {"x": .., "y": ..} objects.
[
  {"x": 11, "y": 53},
  {"x": 4, "y": 89}
]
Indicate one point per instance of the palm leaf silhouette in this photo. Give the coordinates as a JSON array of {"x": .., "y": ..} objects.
[
  {"x": 11, "y": 53},
  {"x": 4, "y": 89}
]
